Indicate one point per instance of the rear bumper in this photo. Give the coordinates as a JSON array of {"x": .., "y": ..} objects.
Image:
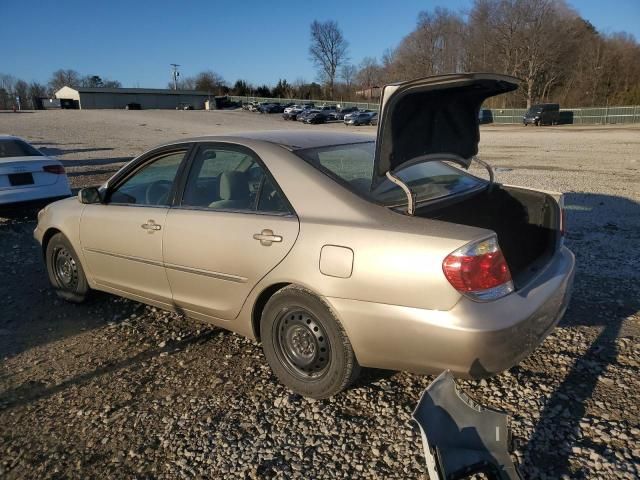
[
  {"x": 59, "y": 189},
  {"x": 472, "y": 339}
]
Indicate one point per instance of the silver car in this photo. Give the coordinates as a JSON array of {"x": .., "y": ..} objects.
[{"x": 336, "y": 251}]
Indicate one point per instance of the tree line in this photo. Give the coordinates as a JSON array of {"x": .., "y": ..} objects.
[
  {"x": 559, "y": 57},
  {"x": 12, "y": 88}
]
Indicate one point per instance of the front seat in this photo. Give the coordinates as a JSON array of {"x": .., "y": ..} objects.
[{"x": 234, "y": 191}]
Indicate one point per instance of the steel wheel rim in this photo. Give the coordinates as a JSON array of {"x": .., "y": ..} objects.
[
  {"x": 302, "y": 345},
  {"x": 65, "y": 269}
]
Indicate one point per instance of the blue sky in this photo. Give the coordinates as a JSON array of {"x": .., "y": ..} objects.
[{"x": 134, "y": 41}]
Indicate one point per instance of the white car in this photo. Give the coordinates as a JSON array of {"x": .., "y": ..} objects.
[
  {"x": 292, "y": 107},
  {"x": 26, "y": 174}
]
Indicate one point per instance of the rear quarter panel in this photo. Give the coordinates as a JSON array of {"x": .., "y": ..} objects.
[{"x": 397, "y": 259}]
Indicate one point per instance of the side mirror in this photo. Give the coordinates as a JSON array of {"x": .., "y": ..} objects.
[{"x": 89, "y": 195}]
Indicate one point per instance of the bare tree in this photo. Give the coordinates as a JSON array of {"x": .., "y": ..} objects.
[
  {"x": 111, "y": 84},
  {"x": 348, "y": 74},
  {"x": 61, "y": 78},
  {"x": 436, "y": 46},
  {"x": 209, "y": 81},
  {"x": 7, "y": 82},
  {"x": 36, "y": 90},
  {"x": 328, "y": 50},
  {"x": 370, "y": 74}
]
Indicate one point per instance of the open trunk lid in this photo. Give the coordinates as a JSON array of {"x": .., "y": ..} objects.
[{"x": 433, "y": 115}]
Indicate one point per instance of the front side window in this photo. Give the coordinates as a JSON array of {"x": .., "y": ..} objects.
[
  {"x": 152, "y": 184},
  {"x": 352, "y": 165},
  {"x": 226, "y": 178}
]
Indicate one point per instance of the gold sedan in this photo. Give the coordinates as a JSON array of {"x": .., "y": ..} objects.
[{"x": 334, "y": 250}]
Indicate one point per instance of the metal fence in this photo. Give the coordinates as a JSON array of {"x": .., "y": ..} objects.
[{"x": 575, "y": 116}]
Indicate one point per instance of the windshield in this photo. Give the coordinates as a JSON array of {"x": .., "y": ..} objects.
[
  {"x": 17, "y": 148},
  {"x": 352, "y": 166}
]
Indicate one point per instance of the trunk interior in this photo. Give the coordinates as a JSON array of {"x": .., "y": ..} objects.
[{"x": 526, "y": 223}]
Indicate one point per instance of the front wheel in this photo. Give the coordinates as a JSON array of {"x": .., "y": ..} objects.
[
  {"x": 305, "y": 345},
  {"x": 64, "y": 269}
]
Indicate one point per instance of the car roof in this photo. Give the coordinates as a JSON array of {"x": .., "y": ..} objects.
[{"x": 291, "y": 140}]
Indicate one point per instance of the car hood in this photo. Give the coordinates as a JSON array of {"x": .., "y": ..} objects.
[{"x": 433, "y": 115}]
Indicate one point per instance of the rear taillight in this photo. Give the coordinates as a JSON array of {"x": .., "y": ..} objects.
[
  {"x": 57, "y": 169},
  {"x": 479, "y": 270}
]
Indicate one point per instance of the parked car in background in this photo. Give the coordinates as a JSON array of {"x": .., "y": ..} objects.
[
  {"x": 330, "y": 111},
  {"x": 184, "y": 106},
  {"x": 133, "y": 106},
  {"x": 321, "y": 116},
  {"x": 255, "y": 106},
  {"x": 303, "y": 114},
  {"x": 485, "y": 116},
  {"x": 354, "y": 113},
  {"x": 374, "y": 119},
  {"x": 542, "y": 114},
  {"x": 271, "y": 108},
  {"x": 340, "y": 114},
  {"x": 292, "y": 113},
  {"x": 26, "y": 174},
  {"x": 292, "y": 107},
  {"x": 360, "y": 118}
]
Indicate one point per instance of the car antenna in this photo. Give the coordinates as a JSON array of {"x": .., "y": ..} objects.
[{"x": 411, "y": 198}]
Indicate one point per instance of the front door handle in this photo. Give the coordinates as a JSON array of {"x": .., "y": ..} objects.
[
  {"x": 151, "y": 226},
  {"x": 267, "y": 237}
]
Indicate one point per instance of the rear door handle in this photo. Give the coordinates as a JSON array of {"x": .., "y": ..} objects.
[
  {"x": 267, "y": 237},
  {"x": 151, "y": 226}
]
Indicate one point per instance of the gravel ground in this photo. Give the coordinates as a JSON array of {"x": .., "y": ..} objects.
[{"x": 116, "y": 389}]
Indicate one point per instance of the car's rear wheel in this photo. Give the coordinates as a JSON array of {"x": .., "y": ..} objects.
[
  {"x": 305, "y": 345},
  {"x": 65, "y": 271}
]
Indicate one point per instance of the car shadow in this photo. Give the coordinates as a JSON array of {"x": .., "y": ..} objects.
[
  {"x": 55, "y": 151},
  {"x": 32, "y": 392},
  {"x": 602, "y": 231}
]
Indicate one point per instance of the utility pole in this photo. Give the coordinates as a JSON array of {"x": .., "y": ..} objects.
[{"x": 175, "y": 74}]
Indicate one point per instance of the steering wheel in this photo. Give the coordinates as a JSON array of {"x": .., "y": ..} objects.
[{"x": 157, "y": 192}]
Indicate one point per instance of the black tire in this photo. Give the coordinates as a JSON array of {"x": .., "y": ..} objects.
[
  {"x": 305, "y": 345},
  {"x": 65, "y": 271}
]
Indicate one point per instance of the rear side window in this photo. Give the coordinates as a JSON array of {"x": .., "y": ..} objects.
[
  {"x": 224, "y": 178},
  {"x": 352, "y": 166},
  {"x": 17, "y": 148}
]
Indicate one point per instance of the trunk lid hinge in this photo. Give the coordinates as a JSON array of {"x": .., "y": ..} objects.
[{"x": 411, "y": 197}]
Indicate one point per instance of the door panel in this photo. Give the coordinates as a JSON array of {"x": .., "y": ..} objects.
[
  {"x": 122, "y": 238},
  {"x": 121, "y": 253},
  {"x": 213, "y": 260}
]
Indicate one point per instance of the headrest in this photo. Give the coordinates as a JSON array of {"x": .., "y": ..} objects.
[{"x": 233, "y": 186}]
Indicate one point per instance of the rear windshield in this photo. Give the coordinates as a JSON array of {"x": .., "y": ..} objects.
[
  {"x": 352, "y": 166},
  {"x": 17, "y": 148}
]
